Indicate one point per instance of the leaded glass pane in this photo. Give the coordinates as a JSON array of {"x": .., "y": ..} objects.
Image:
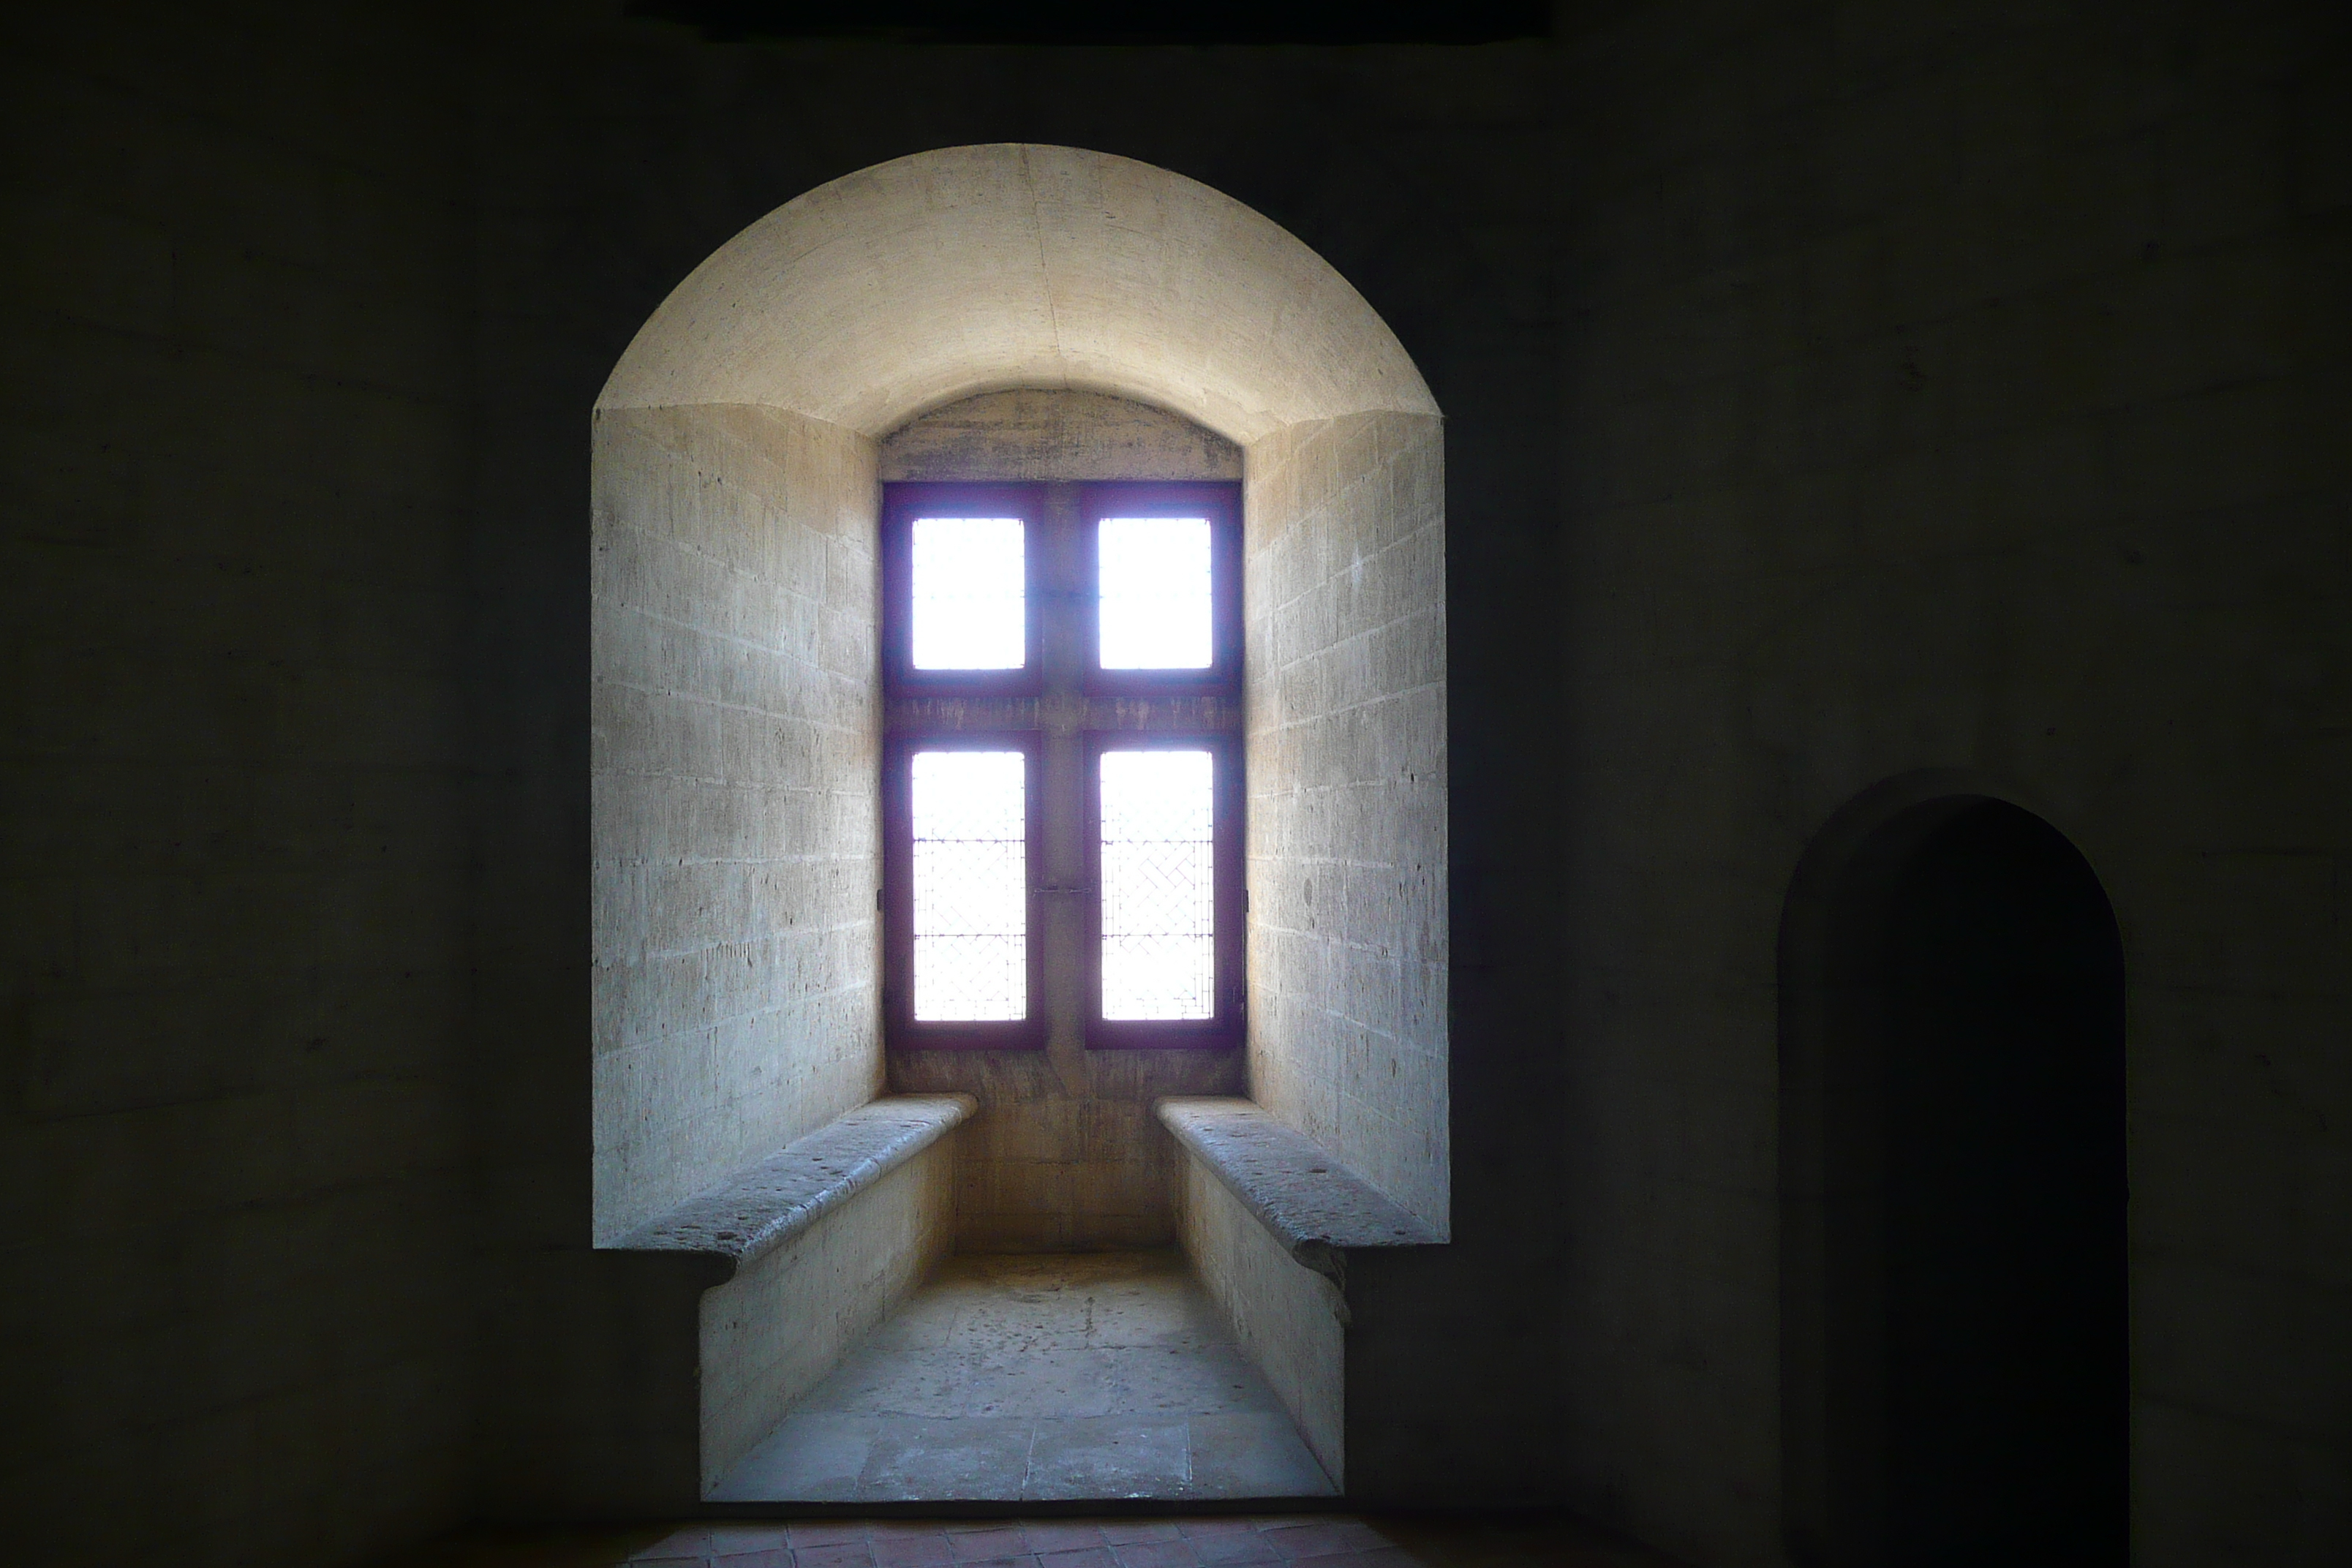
[
  {"x": 1159, "y": 885},
  {"x": 971, "y": 592},
  {"x": 1154, "y": 582},
  {"x": 971, "y": 894}
]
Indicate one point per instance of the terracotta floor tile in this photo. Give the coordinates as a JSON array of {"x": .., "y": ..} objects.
[
  {"x": 925, "y": 1551},
  {"x": 746, "y": 1537},
  {"x": 1006, "y": 1540},
  {"x": 1119, "y": 1532},
  {"x": 1236, "y": 1548},
  {"x": 1377, "y": 1557},
  {"x": 821, "y": 1533},
  {"x": 840, "y": 1554},
  {"x": 1048, "y": 1535},
  {"x": 1078, "y": 1557},
  {"x": 1325, "y": 1538},
  {"x": 1175, "y": 1554}
]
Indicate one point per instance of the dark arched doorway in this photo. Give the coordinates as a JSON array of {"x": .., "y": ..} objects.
[{"x": 1955, "y": 1355}]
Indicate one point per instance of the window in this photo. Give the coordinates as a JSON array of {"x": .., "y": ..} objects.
[{"x": 1061, "y": 786}]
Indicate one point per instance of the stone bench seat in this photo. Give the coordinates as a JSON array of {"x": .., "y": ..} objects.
[
  {"x": 765, "y": 1205},
  {"x": 1317, "y": 1270},
  {"x": 691, "y": 1334},
  {"x": 1314, "y": 1205}
]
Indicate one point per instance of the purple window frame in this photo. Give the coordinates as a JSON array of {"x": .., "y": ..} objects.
[
  {"x": 902, "y": 1030},
  {"x": 1220, "y": 504},
  {"x": 1222, "y": 1030},
  {"x": 995, "y": 700},
  {"x": 902, "y": 504}
]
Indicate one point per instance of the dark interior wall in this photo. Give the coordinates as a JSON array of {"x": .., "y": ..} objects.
[
  {"x": 234, "y": 913},
  {"x": 1955, "y": 1378},
  {"x": 1959, "y": 387},
  {"x": 307, "y": 317},
  {"x": 1830, "y": 394}
]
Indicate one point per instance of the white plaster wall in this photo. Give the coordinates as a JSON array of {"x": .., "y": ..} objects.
[
  {"x": 735, "y": 817},
  {"x": 932, "y": 277},
  {"x": 1345, "y": 707}
]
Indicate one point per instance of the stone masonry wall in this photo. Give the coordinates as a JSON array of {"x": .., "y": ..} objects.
[
  {"x": 611, "y": 160},
  {"x": 1040, "y": 433},
  {"x": 233, "y": 884},
  {"x": 1345, "y": 599},
  {"x": 1963, "y": 388},
  {"x": 1926, "y": 385},
  {"x": 735, "y": 743}
]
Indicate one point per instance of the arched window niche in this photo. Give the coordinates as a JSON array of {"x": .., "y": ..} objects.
[{"x": 738, "y": 451}]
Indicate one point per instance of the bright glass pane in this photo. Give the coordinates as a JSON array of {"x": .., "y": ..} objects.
[
  {"x": 971, "y": 886},
  {"x": 971, "y": 598},
  {"x": 1155, "y": 593},
  {"x": 1159, "y": 885}
]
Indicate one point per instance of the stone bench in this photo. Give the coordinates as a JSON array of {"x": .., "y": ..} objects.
[
  {"x": 1311, "y": 1203},
  {"x": 685, "y": 1340},
  {"x": 1315, "y": 1267},
  {"x": 765, "y": 1206}
]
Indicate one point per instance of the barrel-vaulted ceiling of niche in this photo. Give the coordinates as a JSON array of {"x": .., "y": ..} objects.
[{"x": 886, "y": 293}]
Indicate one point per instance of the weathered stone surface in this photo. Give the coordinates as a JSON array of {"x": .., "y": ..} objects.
[
  {"x": 734, "y": 825},
  {"x": 759, "y": 1210},
  {"x": 1344, "y": 596},
  {"x": 1828, "y": 394},
  {"x": 1315, "y": 1206},
  {"x": 1049, "y": 433},
  {"x": 783, "y": 1322},
  {"x": 1291, "y": 1322}
]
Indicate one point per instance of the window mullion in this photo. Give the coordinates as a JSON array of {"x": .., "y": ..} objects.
[{"x": 1061, "y": 860}]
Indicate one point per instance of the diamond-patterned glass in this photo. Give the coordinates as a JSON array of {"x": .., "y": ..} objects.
[
  {"x": 1154, "y": 582},
  {"x": 1159, "y": 885},
  {"x": 971, "y": 593},
  {"x": 970, "y": 886}
]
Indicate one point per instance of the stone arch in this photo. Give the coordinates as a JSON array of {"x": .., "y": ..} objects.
[
  {"x": 943, "y": 274},
  {"x": 735, "y": 716},
  {"x": 1954, "y": 1355}
]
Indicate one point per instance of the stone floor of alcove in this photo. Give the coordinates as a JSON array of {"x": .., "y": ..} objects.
[{"x": 1051, "y": 1377}]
